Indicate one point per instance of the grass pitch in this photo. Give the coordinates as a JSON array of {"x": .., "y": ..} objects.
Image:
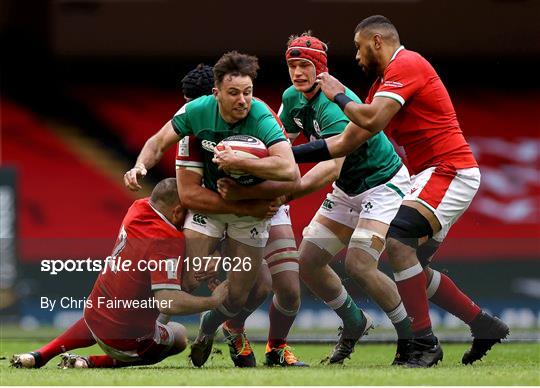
[{"x": 506, "y": 364}]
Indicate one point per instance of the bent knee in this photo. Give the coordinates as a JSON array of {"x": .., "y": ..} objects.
[
  {"x": 363, "y": 269},
  {"x": 180, "y": 337}
]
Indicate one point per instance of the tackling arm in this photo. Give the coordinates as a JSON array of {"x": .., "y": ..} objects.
[
  {"x": 195, "y": 197},
  {"x": 182, "y": 303},
  {"x": 278, "y": 166}
]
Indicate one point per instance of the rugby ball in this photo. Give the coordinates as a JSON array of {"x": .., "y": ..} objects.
[{"x": 245, "y": 146}]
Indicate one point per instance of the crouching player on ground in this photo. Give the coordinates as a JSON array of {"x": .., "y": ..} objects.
[{"x": 134, "y": 336}]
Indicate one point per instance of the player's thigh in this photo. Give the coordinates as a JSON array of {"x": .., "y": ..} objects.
[
  {"x": 203, "y": 233},
  {"x": 242, "y": 276}
]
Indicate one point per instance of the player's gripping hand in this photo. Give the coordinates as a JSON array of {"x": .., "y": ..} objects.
[
  {"x": 230, "y": 190},
  {"x": 259, "y": 208},
  {"x": 131, "y": 177},
  {"x": 211, "y": 272},
  {"x": 220, "y": 292},
  {"x": 330, "y": 86},
  {"x": 226, "y": 160}
]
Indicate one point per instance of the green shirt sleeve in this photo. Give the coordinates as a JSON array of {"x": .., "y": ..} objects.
[
  {"x": 284, "y": 114},
  {"x": 334, "y": 120},
  {"x": 181, "y": 123},
  {"x": 269, "y": 130}
]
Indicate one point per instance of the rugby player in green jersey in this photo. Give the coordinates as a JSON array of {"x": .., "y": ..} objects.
[
  {"x": 229, "y": 111},
  {"x": 368, "y": 188}
]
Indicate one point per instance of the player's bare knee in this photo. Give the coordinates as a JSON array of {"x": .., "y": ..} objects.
[
  {"x": 180, "y": 337},
  {"x": 362, "y": 268},
  {"x": 320, "y": 243}
]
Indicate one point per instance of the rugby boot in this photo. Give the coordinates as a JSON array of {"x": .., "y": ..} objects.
[
  {"x": 402, "y": 353},
  {"x": 202, "y": 346},
  {"x": 486, "y": 331},
  {"x": 239, "y": 348},
  {"x": 423, "y": 352},
  {"x": 69, "y": 361},
  {"x": 348, "y": 337},
  {"x": 282, "y": 356},
  {"x": 26, "y": 360}
]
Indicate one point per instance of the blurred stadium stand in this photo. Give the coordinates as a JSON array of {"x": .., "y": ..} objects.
[{"x": 80, "y": 95}]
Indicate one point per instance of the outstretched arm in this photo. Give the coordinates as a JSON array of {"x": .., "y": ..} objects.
[
  {"x": 182, "y": 303},
  {"x": 150, "y": 154},
  {"x": 373, "y": 117},
  {"x": 334, "y": 147},
  {"x": 318, "y": 177}
]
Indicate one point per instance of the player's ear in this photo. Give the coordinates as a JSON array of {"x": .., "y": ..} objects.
[
  {"x": 178, "y": 215},
  {"x": 215, "y": 92}
]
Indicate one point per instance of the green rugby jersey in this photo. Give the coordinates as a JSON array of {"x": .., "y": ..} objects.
[
  {"x": 201, "y": 118},
  {"x": 374, "y": 163}
]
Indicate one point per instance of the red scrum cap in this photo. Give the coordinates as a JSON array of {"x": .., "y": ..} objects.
[{"x": 311, "y": 49}]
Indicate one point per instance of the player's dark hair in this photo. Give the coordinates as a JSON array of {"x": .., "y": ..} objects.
[
  {"x": 378, "y": 22},
  {"x": 198, "y": 82},
  {"x": 166, "y": 192},
  {"x": 235, "y": 63}
]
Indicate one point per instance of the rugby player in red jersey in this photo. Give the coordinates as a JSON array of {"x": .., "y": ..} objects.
[
  {"x": 409, "y": 101},
  {"x": 150, "y": 237}
]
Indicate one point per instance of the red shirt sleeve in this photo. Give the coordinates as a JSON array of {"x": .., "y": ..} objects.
[
  {"x": 165, "y": 264},
  {"x": 189, "y": 153},
  {"x": 402, "y": 79}
]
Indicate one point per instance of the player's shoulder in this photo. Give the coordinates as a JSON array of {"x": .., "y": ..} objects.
[
  {"x": 202, "y": 103},
  {"x": 409, "y": 60},
  {"x": 289, "y": 94},
  {"x": 259, "y": 109},
  {"x": 145, "y": 221}
]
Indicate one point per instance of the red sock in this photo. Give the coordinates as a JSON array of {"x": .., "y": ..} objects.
[
  {"x": 281, "y": 321},
  {"x": 237, "y": 323},
  {"x": 411, "y": 284},
  {"x": 77, "y": 336},
  {"x": 449, "y": 297}
]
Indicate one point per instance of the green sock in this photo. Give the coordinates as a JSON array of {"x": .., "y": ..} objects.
[
  {"x": 403, "y": 328},
  {"x": 353, "y": 317}
]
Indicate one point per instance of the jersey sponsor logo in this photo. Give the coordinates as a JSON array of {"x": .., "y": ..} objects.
[
  {"x": 328, "y": 204},
  {"x": 298, "y": 122},
  {"x": 199, "y": 219},
  {"x": 183, "y": 147},
  {"x": 208, "y": 145},
  {"x": 393, "y": 84},
  {"x": 254, "y": 233}
]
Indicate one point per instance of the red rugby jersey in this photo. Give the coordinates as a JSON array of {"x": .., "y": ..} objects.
[
  {"x": 426, "y": 126},
  {"x": 148, "y": 239}
]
